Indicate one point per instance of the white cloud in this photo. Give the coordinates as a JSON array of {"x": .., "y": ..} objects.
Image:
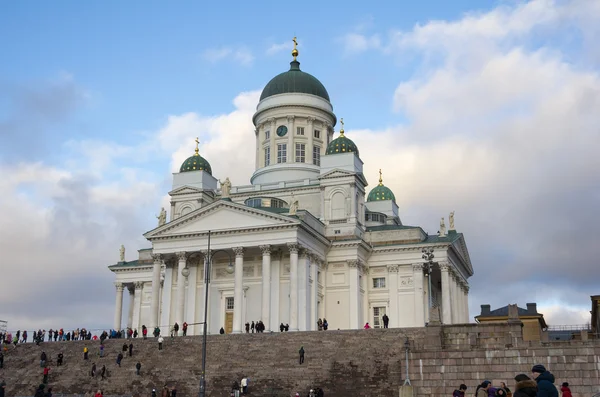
[
  {"x": 505, "y": 135},
  {"x": 276, "y": 48},
  {"x": 242, "y": 54},
  {"x": 355, "y": 42}
]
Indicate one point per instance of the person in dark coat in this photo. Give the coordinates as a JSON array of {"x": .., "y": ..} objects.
[
  {"x": 222, "y": 331},
  {"x": 130, "y": 349},
  {"x": 545, "y": 381},
  {"x": 525, "y": 387},
  {"x": 301, "y": 352},
  {"x": 138, "y": 366},
  {"x": 2, "y": 388},
  {"x": 119, "y": 359},
  {"x": 461, "y": 391}
]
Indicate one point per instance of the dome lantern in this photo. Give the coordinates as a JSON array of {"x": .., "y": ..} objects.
[
  {"x": 381, "y": 192},
  {"x": 342, "y": 144},
  {"x": 196, "y": 162}
]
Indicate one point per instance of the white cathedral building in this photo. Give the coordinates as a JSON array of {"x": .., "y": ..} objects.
[{"x": 305, "y": 240}]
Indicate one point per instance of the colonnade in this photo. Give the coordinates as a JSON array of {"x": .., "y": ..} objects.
[{"x": 303, "y": 293}]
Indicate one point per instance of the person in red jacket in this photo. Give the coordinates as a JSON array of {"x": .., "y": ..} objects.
[
  {"x": 185, "y": 325},
  {"x": 566, "y": 392}
]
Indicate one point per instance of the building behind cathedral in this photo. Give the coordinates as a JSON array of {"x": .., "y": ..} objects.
[{"x": 306, "y": 239}]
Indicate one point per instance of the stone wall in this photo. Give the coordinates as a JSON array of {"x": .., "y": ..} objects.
[{"x": 343, "y": 363}]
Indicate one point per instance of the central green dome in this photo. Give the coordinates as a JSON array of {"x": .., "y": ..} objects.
[
  {"x": 381, "y": 192},
  {"x": 294, "y": 81},
  {"x": 196, "y": 162}
]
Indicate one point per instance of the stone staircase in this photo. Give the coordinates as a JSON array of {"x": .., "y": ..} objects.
[{"x": 342, "y": 363}]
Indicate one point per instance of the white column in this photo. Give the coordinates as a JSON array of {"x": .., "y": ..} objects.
[
  {"x": 182, "y": 258},
  {"x": 291, "y": 155},
  {"x": 453, "y": 296},
  {"x": 137, "y": 310},
  {"x": 258, "y": 147},
  {"x": 446, "y": 306},
  {"x": 118, "y": 305},
  {"x": 275, "y": 289},
  {"x": 314, "y": 289},
  {"x": 165, "y": 318},
  {"x": 238, "y": 297},
  {"x": 192, "y": 289},
  {"x": 293, "y": 247},
  {"x": 354, "y": 294},
  {"x": 130, "y": 314},
  {"x": 303, "y": 291},
  {"x": 393, "y": 296},
  {"x": 155, "y": 290},
  {"x": 461, "y": 293},
  {"x": 466, "y": 304},
  {"x": 266, "y": 286},
  {"x": 419, "y": 295}
]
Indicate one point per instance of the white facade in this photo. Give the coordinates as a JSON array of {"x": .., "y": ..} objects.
[{"x": 336, "y": 257}]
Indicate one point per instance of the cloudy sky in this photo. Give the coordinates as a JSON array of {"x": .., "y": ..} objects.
[{"x": 492, "y": 112}]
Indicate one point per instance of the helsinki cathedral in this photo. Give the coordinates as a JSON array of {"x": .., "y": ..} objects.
[{"x": 307, "y": 239}]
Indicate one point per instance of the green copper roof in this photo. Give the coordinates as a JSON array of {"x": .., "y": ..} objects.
[
  {"x": 195, "y": 163},
  {"x": 341, "y": 144},
  {"x": 294, "y": 81}
]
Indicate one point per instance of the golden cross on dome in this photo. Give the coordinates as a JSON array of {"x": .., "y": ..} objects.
[
  {"x": 295, "y": 50},
  {"x": 342, "y": 130},
  {"x": 380, "y": 178},
  {"x": 197, "y": 151}
]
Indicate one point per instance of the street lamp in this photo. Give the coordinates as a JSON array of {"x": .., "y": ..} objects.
[
  {"x": 428, "y": 257},
  {"x": 207, "y": 266},
  {"x": 407, "y": 349}
]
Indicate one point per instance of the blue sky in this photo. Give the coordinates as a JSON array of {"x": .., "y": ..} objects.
[{"x": 485, "y": 108}]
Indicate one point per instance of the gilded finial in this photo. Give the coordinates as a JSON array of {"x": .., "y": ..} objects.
[
  {"x": 197, "y": 151},
  {"x": 342, "y": 129},
  {"x": 380, "y": 178},
  {"x": 295, "y": 50}
]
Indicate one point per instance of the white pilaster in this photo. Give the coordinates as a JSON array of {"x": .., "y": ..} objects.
[
  {"x": 293, "y": 247},
  {"x": 291, "y": 154},
  {"x": 419, "y": 295},
  {"x": 453, "y": 296},
  {"x": 393, "y": 296},
  {"x": 118, "y": 305},
  {"x": 165, "y": 317},
  {"x": 446, "y": 305},
  {"x": 272, "y": 134},
  {"x": 311, "y": 133},
  {"x": 466, "y": 304},
  {"x": 131, "y": 291},
  {"x": 266, "y": 286},
  {"x": 179, "y": 313},
  {"x": 354, "y": 295},
  {"x": 192, "y": 290},
  {"x": 238, "y": 297},
  {"x": 137, "y": 310},
  {"x": 155, "y": 290}
]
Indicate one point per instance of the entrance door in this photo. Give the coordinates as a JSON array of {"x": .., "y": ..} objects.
[
  {"x": 228, "y": 322},
  {"x": 378, "y": 313},
  {"x": 229, "y": 303}
]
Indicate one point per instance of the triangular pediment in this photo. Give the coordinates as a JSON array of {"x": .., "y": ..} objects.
[
  {"x": 336, "y": 173},
  {"x": 186, "y": 190},
  {"x": 221, "y": 215},
  {"x": 460, "y": 247}
]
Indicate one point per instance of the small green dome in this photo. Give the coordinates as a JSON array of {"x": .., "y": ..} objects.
[
  {"x": 381, "y": 192},
  {"x": 196, "y": 162},
  {"x": 341, "y": 144},
  {"x": 294, "y": 81}
]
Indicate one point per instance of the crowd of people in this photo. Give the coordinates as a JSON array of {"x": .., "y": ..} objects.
[{"x": 540, "y": 384}]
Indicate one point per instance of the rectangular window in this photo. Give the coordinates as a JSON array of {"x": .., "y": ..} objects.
[
  {"x": 378, "y": 313},
  {"x": 267, "y": 134},
  {"x": 267, "y": 156},
  {"x": 299, "y": 130},
  {"x": 379, "y": 282},
  {"x": 229, "y": 303},
  {"x": 317, "y": 134},
  {"x": 300, "y": 152},
  {"x": 317, "y": 155},
  {"x": 282, "y": 153}
]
